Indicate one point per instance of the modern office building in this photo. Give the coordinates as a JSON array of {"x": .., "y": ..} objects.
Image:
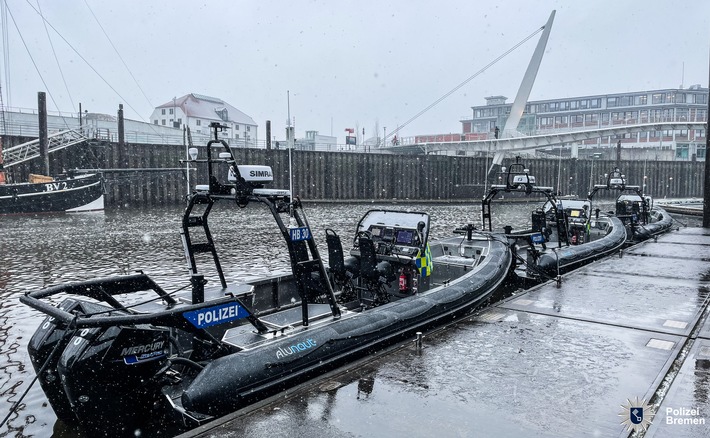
[{"x": 586, "y": 112}]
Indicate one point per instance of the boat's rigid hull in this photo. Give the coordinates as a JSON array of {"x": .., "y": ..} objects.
[
  {"x": 54, "y": 196},
  {"x": 661, "y": 225},
  {"x": 226, "y": 382},
  {"x": 570, "y": 257}
]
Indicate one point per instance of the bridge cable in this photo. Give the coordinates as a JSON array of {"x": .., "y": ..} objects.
[
  {"x": 119, "y": 55},
  {"x": 465, "y": 82},
  {"x": 61, "y": 72},
  {"x": 31, "y": 58},
  {"x": 86, "y": 62}
]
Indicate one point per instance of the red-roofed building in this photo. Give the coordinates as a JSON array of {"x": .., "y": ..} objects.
[{"x": 197, "y": 111}]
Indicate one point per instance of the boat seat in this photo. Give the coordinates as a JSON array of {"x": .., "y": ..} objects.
[
  {"x": 343, "y": 270},
  {"x": 309, "y": 281},
  {"x": 374, "y": 275}
]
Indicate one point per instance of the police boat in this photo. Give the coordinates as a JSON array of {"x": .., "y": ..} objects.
[
  {"x": 207, "y": 350},
  {"x": 563, "y": 235},
  {"x": 636, "y": 210}
]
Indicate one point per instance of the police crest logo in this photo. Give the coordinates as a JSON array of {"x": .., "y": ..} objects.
[{"x": 637, "y": 415}]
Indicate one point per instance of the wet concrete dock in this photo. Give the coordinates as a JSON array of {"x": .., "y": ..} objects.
[{"x": 547, "y": 362}]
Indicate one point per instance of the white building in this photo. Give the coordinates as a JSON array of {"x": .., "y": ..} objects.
[{"x": 197, "y": 111}]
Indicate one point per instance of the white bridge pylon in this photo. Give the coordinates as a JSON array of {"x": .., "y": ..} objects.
[{"x": 540, "y": 141}]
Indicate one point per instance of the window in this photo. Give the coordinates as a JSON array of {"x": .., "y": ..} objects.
[
  {"x": 171, "y": 110},
  {"x": 574, "y": 104},
  {"x": 681, "y": 150},
  {"x": 477, "y": 114},
  {"x": 680, "y": 98},
  {"x": 658, "y": 98},
  {"x": 162, "y": 112},
  {"x": 155, "y": 122},
  {"x": 236, "y": 127},
  {"x": 545, "y": 121},
  {"x": 611, "y": 102},
  {"x": 576, "y": 118},
  {"x": 163, "y": 122},
  {"x": 625, "y": 100},
  {"x": 605, "y": 118},
  {"x": 583, "y": 104},
  {"x": 561, "y": 120},
  {"x": 544, "y": 108},
  {"x": 248, "y": 128},
  {"x": 236, "y": 136},
  {"x": 595, "y": 103},
  {"x": 701, "y": 98},
  {"x": 641, "y": 100},
  {"x": 616, "y": 116},
  {"x": 700, "y": 152},
  {"x": 223, "y": 114},
  {"x": 699, "y": 133},
  {"x": 198, "y": 122},
  {"x": 179, "y": 120},
  {"x": 591, "y": 118}
]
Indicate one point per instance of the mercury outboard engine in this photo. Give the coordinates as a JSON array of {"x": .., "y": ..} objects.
[
  {"x": 45, "y": 348},
  {"x": 108, "y": 371},
  {"x": 101, "y": 374}
]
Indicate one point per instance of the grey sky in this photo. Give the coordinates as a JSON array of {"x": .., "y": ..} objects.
[{"x": 349, "y": 62}]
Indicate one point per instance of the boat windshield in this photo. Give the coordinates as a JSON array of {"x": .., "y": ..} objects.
[{"x": 398, "y": 227}]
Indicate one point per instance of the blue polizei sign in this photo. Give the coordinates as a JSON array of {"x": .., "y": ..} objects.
[
  {"x": 537, "y": 238},
  {"x": 301, "y": 233},
  {"x": 214, "y": 315}
]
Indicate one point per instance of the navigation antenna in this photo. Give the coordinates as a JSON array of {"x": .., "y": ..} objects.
[
  {"x": 2, "y": 137},
  {"x": 289, "y": 134}
]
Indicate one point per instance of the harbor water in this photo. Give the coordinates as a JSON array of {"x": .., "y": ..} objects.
[
  {"x": 44, "y": 250},
  {"x": 40, "y": 251}
]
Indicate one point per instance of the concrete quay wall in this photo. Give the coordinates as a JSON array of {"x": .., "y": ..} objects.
[{"x": 356, "y": 176}]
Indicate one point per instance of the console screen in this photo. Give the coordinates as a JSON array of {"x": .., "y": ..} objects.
[{"x": 404, "y": 237}]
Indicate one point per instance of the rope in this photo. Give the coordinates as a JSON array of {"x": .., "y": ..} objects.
[
  {"x": 436, "y": 102},
  {"x": 16, "y": 405}
]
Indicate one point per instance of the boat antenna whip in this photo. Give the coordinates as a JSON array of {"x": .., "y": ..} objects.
[{"x": 292, "y": 223}]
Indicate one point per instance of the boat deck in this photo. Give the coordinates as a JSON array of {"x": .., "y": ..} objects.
[{"x": 546, "y": 362}]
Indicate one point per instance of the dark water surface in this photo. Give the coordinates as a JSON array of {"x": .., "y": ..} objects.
[{"x": 39, "y": 251}]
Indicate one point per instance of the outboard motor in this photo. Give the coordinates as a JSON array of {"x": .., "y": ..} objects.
[
  {"x": 115, "y": 373},
  {"x": 51, "y": 339}
]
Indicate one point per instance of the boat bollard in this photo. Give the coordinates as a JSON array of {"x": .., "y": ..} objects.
[{"x": 418, "y": 340}]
